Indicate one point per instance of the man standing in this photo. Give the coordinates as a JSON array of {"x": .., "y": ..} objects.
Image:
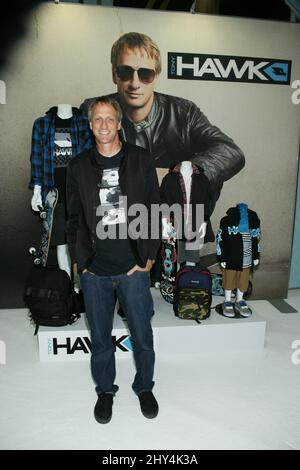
[
  {"x": 109, "y": 262},
  {"x": 172, "y": 129}
]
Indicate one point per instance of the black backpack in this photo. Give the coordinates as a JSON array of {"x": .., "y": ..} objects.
[{"x": 50, "y": 297}]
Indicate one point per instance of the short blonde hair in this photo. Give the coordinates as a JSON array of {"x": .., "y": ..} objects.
[{"x": 133, "y": 41}]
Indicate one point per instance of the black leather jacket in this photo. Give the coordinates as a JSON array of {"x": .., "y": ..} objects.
[{"x": 176, "y": 130}]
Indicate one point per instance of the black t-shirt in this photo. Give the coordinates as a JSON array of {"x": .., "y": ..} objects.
[
  {"x": 62, "y": 154},
  {"x": 113, "y": 251}
]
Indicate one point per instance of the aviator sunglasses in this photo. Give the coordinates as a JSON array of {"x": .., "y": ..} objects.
[{"x": 125, "y": 73}]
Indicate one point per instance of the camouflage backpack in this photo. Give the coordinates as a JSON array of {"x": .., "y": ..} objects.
[{"x": 193, "y": 293}]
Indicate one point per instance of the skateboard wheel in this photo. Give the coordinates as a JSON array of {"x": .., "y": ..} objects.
[
  {"x": 37, "y": 261},
  {"x": 169, "y": 289},
  {"x": 32, "y": 250},
  {"x": 43, "y": 215}
]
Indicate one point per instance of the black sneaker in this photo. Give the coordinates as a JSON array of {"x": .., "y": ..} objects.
[
  {"x": 149, "y": 405},
  {"x": 103, "y": 408}
]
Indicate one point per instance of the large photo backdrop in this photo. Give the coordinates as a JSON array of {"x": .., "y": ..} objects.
[{"x": 236, "y": 71}]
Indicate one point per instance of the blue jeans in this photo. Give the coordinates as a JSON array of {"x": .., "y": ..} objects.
[{"x": 135, "y": 297}]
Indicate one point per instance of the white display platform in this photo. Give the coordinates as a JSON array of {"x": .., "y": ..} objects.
[{"x": 171, "y": 335}]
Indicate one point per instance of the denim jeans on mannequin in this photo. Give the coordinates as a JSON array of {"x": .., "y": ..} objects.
[{"x": 135, "y": 297}]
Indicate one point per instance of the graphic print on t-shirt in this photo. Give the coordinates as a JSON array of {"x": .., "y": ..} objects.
[
  {"x": 247, "y": 250},
  {"x": 62, "y": 154},
  {"x": 62, "y": 147},
  {"x": 110, "y": 198}
]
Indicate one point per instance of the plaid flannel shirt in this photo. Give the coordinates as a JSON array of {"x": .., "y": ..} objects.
[{"x": 42, "y": 149}]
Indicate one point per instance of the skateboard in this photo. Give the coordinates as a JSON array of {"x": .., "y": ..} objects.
[
  {"x": 217, "y": 288},
  {"x": 169, "y": 267},
  {"x": 40, "y": 255}
]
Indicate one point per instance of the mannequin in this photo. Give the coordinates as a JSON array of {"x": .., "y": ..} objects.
[
  {"x": 64, "y": 111},
  {"x": 238, "y": 251},
  {"x": 57, "y": 137},
  {"x": 186, "y": 185},
  {"x": 186, "y": 170}
]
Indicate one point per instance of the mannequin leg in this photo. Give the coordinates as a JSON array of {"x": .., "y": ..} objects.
[
  {"x": 63, "y": 258},
  {"x": 192, "y": 253},
  {"x": 64, "y": 262},
  {"x": 241, "y": 306},
  {"x": 228, "y": 283},
  {"x": 239, "y": 295},
  {"x": 227, "y": 295}
]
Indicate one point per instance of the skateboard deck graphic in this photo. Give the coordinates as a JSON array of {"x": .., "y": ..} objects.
[
  {"x": 169, "y": 267},
  {"x": 40, "y": 255}
]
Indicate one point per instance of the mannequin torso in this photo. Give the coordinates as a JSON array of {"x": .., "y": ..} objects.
[
  {"x": 64, "y": 111},
  {"x": 186, "y": 170}
]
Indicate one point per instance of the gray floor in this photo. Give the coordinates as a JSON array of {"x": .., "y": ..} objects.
[{"x": 210, "y": 401}]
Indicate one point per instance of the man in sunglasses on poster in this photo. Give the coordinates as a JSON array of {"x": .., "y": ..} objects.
[{"x": 172, "y": 129}]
